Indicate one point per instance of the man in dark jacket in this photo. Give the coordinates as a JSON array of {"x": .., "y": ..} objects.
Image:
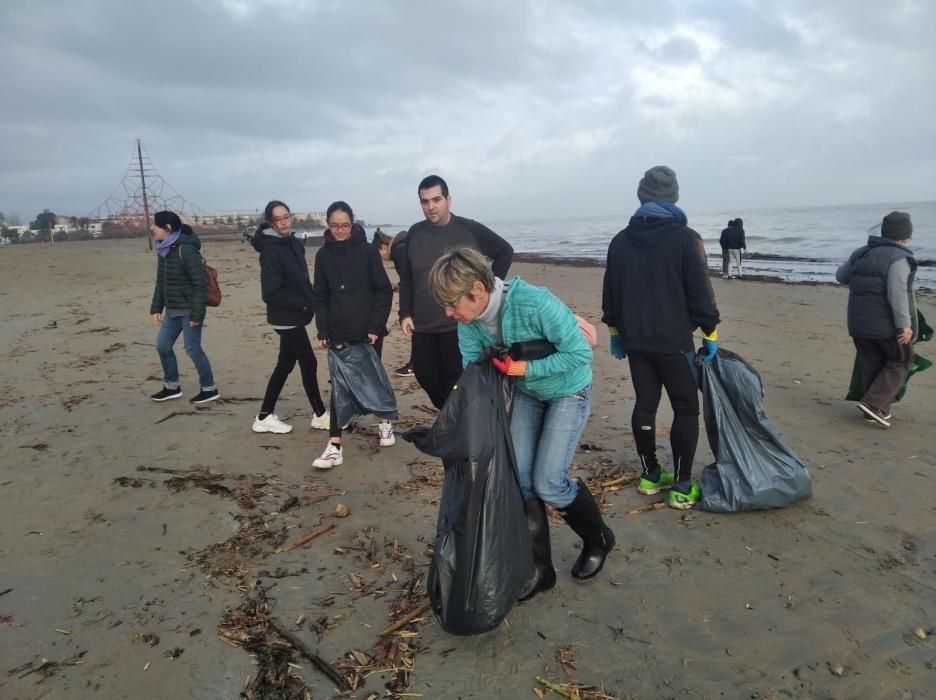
[
  {"x": 656, "y": 293},
  {"x": 732, "y": 243},
  {"x": 437, "y": 361},
  {"x": 882, "y": 313}
]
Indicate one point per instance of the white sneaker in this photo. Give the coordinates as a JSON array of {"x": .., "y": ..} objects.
[
  {"x": 270, "y": 424},
  {"x": 331, "y": 457},
  {"x": 321, "y": 422},
  {"x": 385, "y": 433}
]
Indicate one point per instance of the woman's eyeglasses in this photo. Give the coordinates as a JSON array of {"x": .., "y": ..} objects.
[
  {"x": 340, "y": 227},
  {"x": 452, "y": 304},
  {"x": 282, "y": 219}
]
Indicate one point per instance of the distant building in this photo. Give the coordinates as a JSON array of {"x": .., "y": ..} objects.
[{"x": 233, "y": 218}]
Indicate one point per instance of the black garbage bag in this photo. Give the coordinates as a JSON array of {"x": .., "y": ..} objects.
[
  {"x": 360, "y": 384},
  {"x": 754, "y": 468},
  {"x": 483, "y": 559}
]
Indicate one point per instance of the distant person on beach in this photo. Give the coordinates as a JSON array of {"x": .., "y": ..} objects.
[
  {"x": 436, "y": 359},
  {"x": 656, "y": 293},
  {"x": 551, "y": 398},
  {"x": 391, "y": 249},
  {"x": 882, "y": 313},
  {"x": 352, "y": 304},
  {"x": 732, "y": 245},
  {"x": 287, "y": 291},
  {"x": 180, "y": 298}
]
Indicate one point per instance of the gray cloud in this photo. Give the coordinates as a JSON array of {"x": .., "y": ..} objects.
[{"x": 527, "y": 108}]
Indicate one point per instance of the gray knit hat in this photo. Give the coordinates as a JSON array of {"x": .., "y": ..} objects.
[
  {"x": 897, "y": 226},
  {"x": 658, "y": 185}
]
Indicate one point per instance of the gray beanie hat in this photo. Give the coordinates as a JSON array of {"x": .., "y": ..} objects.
[
  {"x": 897, "y": 226},
  {"x": 658, "y": 185}
]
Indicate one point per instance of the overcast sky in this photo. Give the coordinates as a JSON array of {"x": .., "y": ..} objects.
[{"x": 528, "y": 108}]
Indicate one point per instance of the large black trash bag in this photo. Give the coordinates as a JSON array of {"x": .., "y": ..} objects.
[
  {"x": 483, "y": 559},
  {"x": 360, "y": 384},
  {"x": 754, "y": 468}
]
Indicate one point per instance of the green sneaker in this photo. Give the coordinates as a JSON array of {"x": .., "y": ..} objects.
[
  {"x": 651, "y": 488},
  {"x": 685, "y": 501}
]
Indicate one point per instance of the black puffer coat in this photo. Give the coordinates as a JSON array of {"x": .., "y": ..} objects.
[
  {"x": 181, "y": 284},
  {"x": 284, "y": 278},
  {"x": 352, "y": 291}
]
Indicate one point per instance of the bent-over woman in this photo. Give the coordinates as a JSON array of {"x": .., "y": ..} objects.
[{"x": 551, "y": 398}]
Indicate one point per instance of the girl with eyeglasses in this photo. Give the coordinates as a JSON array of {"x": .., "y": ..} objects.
[
  {"x": 287, "y": 291},
  {"x": 352, "y": 304}
]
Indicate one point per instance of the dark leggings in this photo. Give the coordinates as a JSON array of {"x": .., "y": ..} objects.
[
  {"x": 334, "y": 430},
  {"x": 437, "y": 364},
  {"x": 885, "y": 365},
  {"x": 294, "y": 347},
  {"x": 650, "y": 372}
]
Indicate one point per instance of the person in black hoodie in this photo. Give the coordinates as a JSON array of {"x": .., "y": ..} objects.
[
  {"x": 352, "y": 304},
  {"x": 656, "y": 293},
  {"x": 287, "y": 291},
  {"x": 732, "y": 243}
]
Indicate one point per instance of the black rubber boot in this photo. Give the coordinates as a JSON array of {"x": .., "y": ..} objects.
[
  {"x": 597, "y": 539},
  {"x": 538, "y": 522}
]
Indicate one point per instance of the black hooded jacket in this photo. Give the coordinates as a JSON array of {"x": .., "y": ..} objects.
[
  {"x": 732, "y": 238},
  {"x": 656, "y": 286},
  {"x": 284, "y": 278},
  {"x": 352, "y": 291}
]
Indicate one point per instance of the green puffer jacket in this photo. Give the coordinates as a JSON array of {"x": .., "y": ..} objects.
[{"x": 180, "y": 279}]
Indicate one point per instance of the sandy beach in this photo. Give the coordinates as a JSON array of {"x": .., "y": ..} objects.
[{"x": 132, "y": 532}]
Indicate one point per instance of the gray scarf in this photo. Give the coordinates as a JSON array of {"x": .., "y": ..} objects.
[{"x": 490, "y": 317}]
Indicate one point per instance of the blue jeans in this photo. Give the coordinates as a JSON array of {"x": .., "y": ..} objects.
[
  {"x": 169, "y": 331},
  {"x": 545, "y": 436}
]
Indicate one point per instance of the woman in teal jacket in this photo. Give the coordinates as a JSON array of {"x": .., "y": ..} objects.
[{"x": 551, "y": 398}]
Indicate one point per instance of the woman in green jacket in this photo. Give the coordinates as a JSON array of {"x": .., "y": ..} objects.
[
  {"x": 551, "y": 398},
  {"x": 179, "y": 300}
]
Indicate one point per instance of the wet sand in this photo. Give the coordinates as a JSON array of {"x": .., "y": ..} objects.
[{"x": 113, "y": 508}]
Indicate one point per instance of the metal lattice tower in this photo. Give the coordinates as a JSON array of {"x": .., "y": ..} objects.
[{"x": 141, "y": 191}]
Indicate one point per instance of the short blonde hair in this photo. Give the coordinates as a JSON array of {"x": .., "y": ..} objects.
[{"x": 454, "y": 274}]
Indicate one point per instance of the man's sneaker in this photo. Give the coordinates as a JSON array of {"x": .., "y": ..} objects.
[
  {"x": 271, "y": 424},
  {"x": 205, "y": 396},
  {"x": 651, "y": 488},
  {"x": 385, "y": 433},
  {"x": 322, "y": 422},
  {"x": 404, "y": 371},
  {"x": 165, "y": 394},
  {"x": 331, "y": 457},
  {"x": 877, "y": 415},
  {"x": 684, "y": 500}
]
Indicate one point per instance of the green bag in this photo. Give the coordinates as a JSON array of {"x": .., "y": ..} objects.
[{"x": 920, "y": 363}]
